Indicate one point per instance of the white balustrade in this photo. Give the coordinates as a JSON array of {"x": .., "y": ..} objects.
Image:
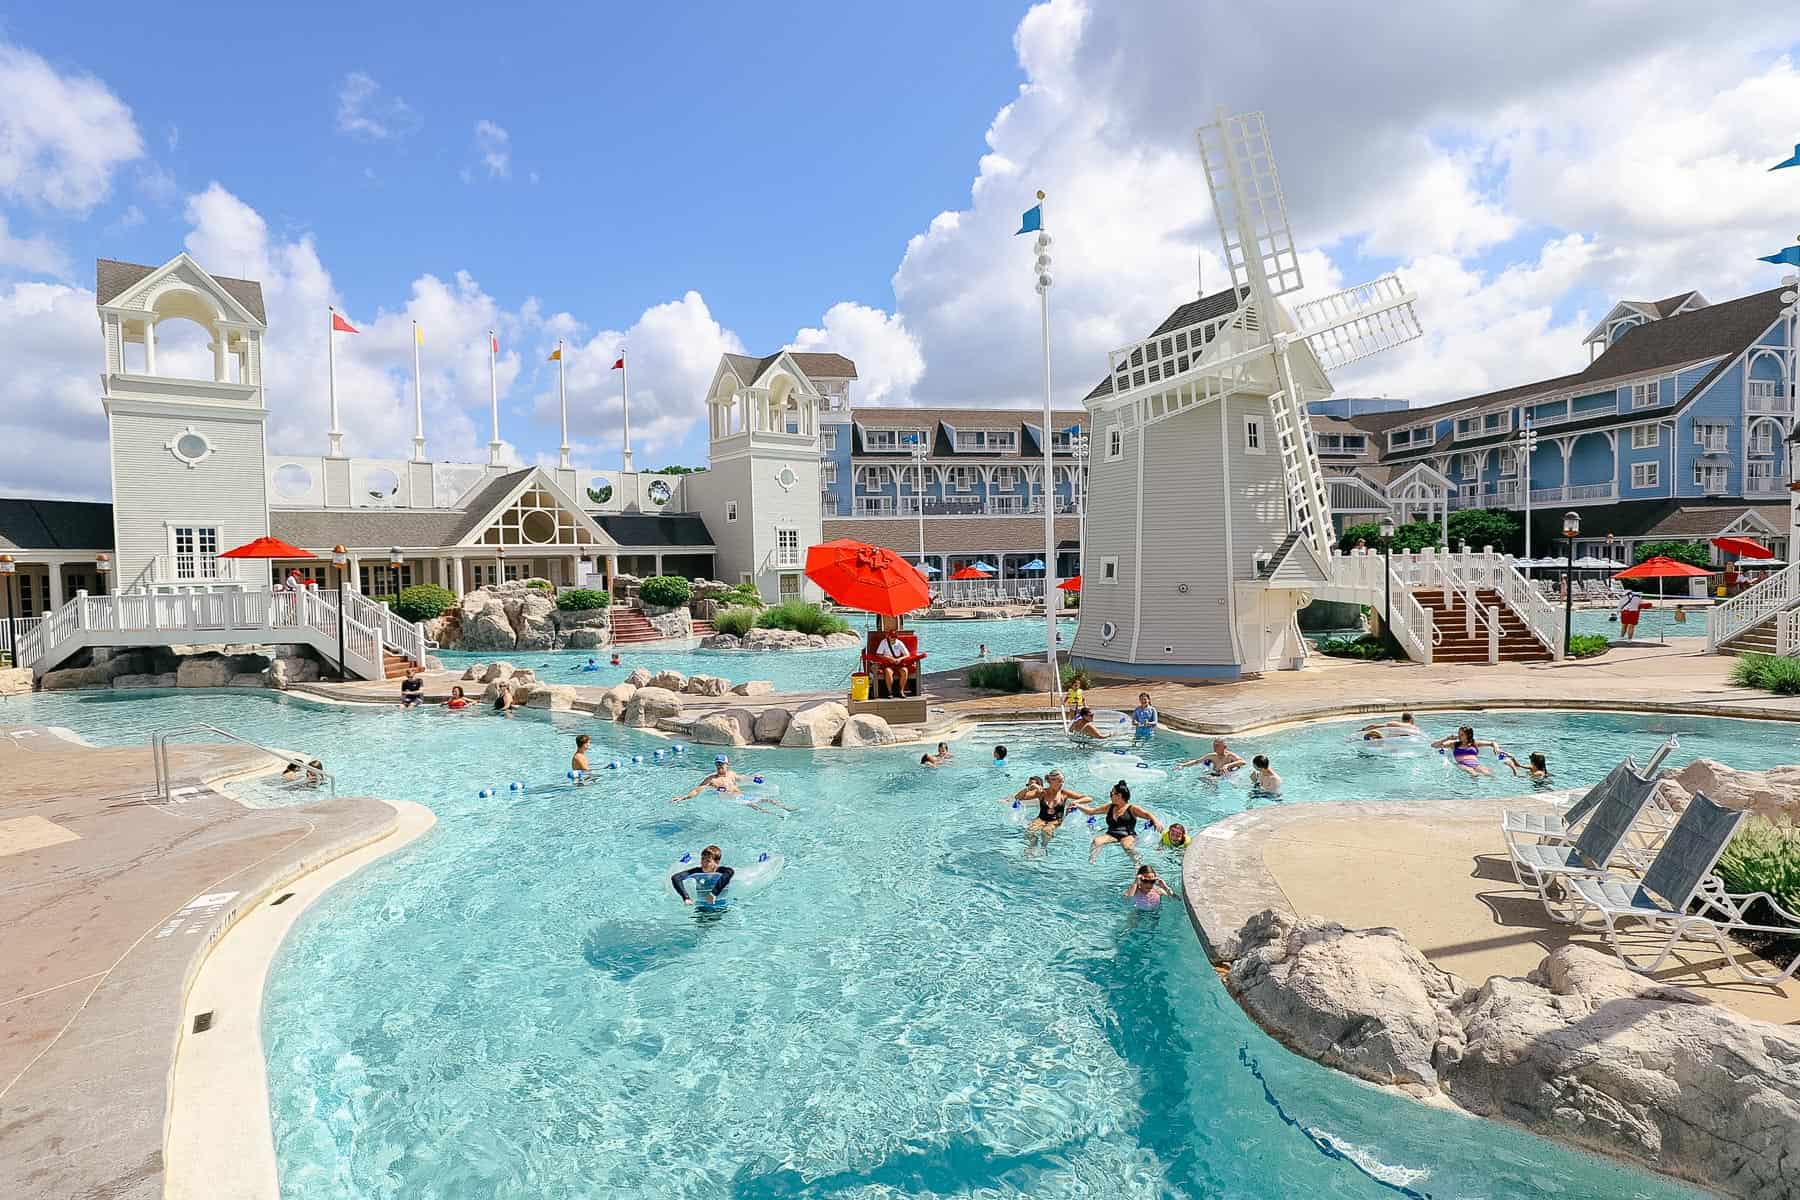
[{"x": 1753, "y": 606}]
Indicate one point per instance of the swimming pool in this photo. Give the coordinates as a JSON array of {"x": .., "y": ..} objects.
[
  {"x": 514, "y": 1007},
  {"x": 948, "y": 644}
]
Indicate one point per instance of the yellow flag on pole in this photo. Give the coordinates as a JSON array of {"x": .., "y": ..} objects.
[
  {"x": 418, "y": 333},
  {"x": 555, "y": 355}
]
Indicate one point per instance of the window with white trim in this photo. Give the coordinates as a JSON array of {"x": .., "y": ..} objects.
[
  {"x": 1109, "y": 569},
  {"x": 1762, "y": 438},
  {"x": 787, "y": 547},
  {"x": 992, "y": 441},
  {"x": 1467, "y": 466},
  {"x": 1253, "y": 441},
  {"x": 1646, "y": 475},
  {"x": 1509, "y": 462},
  {"x": 827, "y": 441},
  {"x": 1712, "y": 439},
  {"x": 1759, "y": 476},
  {"x": 1006, "y": 478},
  {"x": 891, "y": 439},
  {"x": 731, "y": 510},
  {"x": 1709, "y": 479},
  {"x": 963, "y": 479},
  {"x": 1646, "y": 437},
  {"x": 789, "y": 587},
  {"x": 1115, "y": 444},
  {"x": 1647, "y": 394},
  {"x": 827, "y": 476},
  {"x": 195, "y": 551},
  {"x": 1412, "y": 435}
]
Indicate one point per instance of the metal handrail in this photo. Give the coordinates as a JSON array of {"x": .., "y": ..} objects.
[{"x": 159, "y": 755}]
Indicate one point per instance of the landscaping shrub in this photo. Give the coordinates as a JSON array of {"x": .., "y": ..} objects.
[
  {"x": 1769, "y": 672},
  {"x": 800, "y": 617},
  {"x": 664, "y": 591},
  {"x": 1586, "y": 645},
  {"x": 1003, "y": 676},
  {"x": 1368, "y": 646},
  {"x": 1414, "y": 535},
  {"x": 1762, "y": 858},
  {"x": 583, "y": 599},
  {"x": 540, "y": 585},
  {"x": 735, "y": 621},
  {"x": 744, "y": 595},
  {"x": 422, "y": 602},
  {"x": 1069, "y": 674}
]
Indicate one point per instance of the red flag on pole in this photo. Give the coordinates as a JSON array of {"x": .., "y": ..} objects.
[
  {"x": 494, "y": 343},
  {"x": 339, "y": 325},
  {"x": 620, "y": 365}
]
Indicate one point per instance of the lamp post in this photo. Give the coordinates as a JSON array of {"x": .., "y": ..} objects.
[
  {"x": 396, "y": 560},
  {"x": 103, "y": 568},
  {"x": 1790, "y": 299},
  {"x": 1527, "y": 445},
  {"x": 340, "y": 559},
  {"x": 1079, "y": 444},
  {"x": 8, "y": 569},
  {"x": 1570, "y": 530},
  {"x": 920, "y": 452},
  {"x": 1387, "y": 582}
]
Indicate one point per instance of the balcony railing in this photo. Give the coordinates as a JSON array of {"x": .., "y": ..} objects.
[
  {"x": 971, "y": 506},
  {"x": 196, "y": 569},
  {"x": 875, "y": 506},
  {"x": 1769, "y": 404}
]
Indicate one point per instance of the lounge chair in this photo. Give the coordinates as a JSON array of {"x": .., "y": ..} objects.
[
  {"x": 1546, "y": 867},
  {"x": 1680, "y": 878},
  {"x": 1520, "y": 825}
]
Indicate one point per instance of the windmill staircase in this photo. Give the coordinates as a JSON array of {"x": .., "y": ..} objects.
[{"x": 1464, "y": 607}]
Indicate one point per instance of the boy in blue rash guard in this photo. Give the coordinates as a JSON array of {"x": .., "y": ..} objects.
[
  {"x": 1143, "y": 717},
  {"x": 709, "y": 865}
]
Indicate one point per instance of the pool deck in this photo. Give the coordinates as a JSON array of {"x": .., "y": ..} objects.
[
  {"x": 1436, "y": 870},
  {"x": 110, "y": 900}
]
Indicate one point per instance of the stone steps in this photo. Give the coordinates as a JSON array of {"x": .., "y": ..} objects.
[
  {"x": 1456, "y": 646},
  {"x": 630, "y": 627}
]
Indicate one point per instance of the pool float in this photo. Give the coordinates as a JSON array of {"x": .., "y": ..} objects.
[
  {"x": 1113, "y": 765},
  {"x": 1110, "y": 720},
  {"x": 1146, "y": 825},
  {"x": 746, "y": 879},
  {"x": 1398, "y": 745},
  {"x": 580, "y": 776}
]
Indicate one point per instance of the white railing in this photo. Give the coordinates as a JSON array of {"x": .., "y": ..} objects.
[
  {"x": 1769, "y": 404},
  {"x": 1010, "y": 505},
  {"x": 1540, "y": 616},
  {"x": 403, "y": 637},
  {"x": 1593, "y": 491},
  {"x": 23, "y": 624},
  {"x": 195, "y": 569},
  {"x": 875, "y": 506},
  {"x": 1460, "y": 573},
  {"x": 1454, "y": 580},
  {"x": 1753, "y": 606}
]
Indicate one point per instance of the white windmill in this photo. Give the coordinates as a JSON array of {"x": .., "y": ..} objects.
[{"x": 1244, "y": 354}]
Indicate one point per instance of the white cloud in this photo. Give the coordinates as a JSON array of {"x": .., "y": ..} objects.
[
  {"x": 61, "y": 135},
  {"x": 172, "y": 136},
  {"x": 47, "y": 398},
  {"x": 36, "y": 255},
  {"x": 887, "y": 357},
  {"x": 366, "y": 112},
  {"x": 494, "y": 146}
]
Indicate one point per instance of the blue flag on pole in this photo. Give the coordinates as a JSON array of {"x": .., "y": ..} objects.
[
  {"x": 1792, "y": 160},
  {"x": 1033, "y": 220},
  {"x": 1790, "y": 256}
]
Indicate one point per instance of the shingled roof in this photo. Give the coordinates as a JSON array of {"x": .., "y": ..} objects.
[
  {"x": 55, "y": 525},
  {"x": 112, "y": 278},
  {"x": 817, "y": 365},
  {"x": 1206, "y": 308}
]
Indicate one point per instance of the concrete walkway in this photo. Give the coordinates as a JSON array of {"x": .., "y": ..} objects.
[
  {"x": 1436, "y": 870},
  {"x": 109, "y": 900}
]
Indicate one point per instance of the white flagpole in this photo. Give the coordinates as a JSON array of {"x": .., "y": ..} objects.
[
  {"x": 625, "y": 395},
  {"x": 494, "y": 399},
  {"x": 334, "y": 436},
  {"x": 418, "y": 402},
  {"x": 1041, "y": 269},
  {"x": 562, "y": 400}
]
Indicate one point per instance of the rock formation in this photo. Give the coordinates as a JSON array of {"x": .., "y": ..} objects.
[
  {"x": 511, "y": 616},
  {"x": 816, "y": 725}
]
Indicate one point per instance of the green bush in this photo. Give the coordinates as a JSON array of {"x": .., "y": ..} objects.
[
  {"x": 801, "y": 617},
  {"x": 1414, "y": 535},
  {"x": 744, "y": 595},
  {"x": 583, "y": 599},
  {"x": 540, "y": 585},
  {"x": 386, "y": 598},
  {"x": 1587, "y": 645},
  {"x": 1069, "y": 674},
  {"x": 1002, "y": 676},
  {"x": 1695, "y": 554},
  {"x": 664, "y": 591},
  {"x": 1769, "y": 672},
  {"x": 1368, "y": 646},
  {"x": 422, "y": 602},
  {"x": 1762, "y": 858},
  {"x": 735, "y": 621}
]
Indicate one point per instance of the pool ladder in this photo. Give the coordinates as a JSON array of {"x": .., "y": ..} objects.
[{"x": 165, "y": 780}]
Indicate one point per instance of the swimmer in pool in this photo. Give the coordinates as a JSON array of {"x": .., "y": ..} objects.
[
  {"x": 1147, "y": 888},
  {"x": 930, "y": 760},
  {"x": 1121, "y": 817},
  {"x": 1465, "y": 751},
  {"x": 1053, "y": 802},
  {"x": 1537, "y": 768},
  {"x": 943, "y": 752},
  {"x": 1218, "y": 761},
  {"x": 615, "y": 659},
  {"x": 1084, "y": 725},
  {"x": 304, "y": 774},
  {"x": 1143, "y": 717},
  {"x": 1263, "y": 779},
  {"x": 578, "y": 761},
  {"x": 999, "y": 756},
  {"x": 1175, "y": 837},
  {"x": 458, "y": 698},
  {"x": 1404, "y": 727},
  {"x": 709, "y": 865},
  {"x": 722, "y": 779},
  {"x": 503, "y": 700}
]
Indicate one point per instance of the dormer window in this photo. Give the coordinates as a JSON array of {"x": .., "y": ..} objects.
[
  {"x": 1410, "y": 437},
  {"x": 1646, "y": 394}
]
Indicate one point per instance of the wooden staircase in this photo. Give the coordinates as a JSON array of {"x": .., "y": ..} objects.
[
  {"x": 629, "y": 626},
  {"x": 393, "y": 666},
  {"x": 1454, "y": 644},
  {"x": 1758, "y": 639}
]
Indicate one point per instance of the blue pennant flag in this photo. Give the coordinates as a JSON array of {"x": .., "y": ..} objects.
[
  {"x": 1033, "y": 220},
  {"x": 1792, "y": 160},
  {"x": 1788, "y": 257}
]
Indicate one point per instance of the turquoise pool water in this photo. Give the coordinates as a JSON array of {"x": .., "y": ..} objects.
[
  {"x": 516, "y": 1007},
  {"x": 948, "y": 645}
]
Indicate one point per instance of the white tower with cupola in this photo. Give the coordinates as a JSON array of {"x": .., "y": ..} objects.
[{"x": 186, "y": 433}]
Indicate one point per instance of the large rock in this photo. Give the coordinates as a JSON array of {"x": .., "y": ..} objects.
[
  {"x": 867, "y": 729},
  {"x": 1364, "y": 1001},
  {"x": 671, "y": 623},
  {"x": 730, "y": 727},
  {"x": 587, "y": 639},
  {"x": 754, "y": 687},
  {"x": 166, "y": 680},
  {"x": 284, "y": 672},
  {"x": 499, "y": 670},
  {"x": 482, "y": 622},
  {"x": 247, "y": 679},
  {"x": 1585, "y": 1051},
  {"x": 532, "y": 616},
  {"x": 720, "y": 641},
  {"x": 556, "y": 697},
  {"x": 816, "y": 725},
  {"x": 673, "y": 681},
  {"x": 648, "y": 705},
  {"x": 639, "y": 677},
  {"x": 781, "y": 639},
  {"x": 476, "y": 672},
  {"x": 706, "y": 685},
  {"x": 208, "y": 671},
  {"x": 613, "y": 700},
  {"x": 1773, "y": 794},
  {"x": 770, "y": 724}
]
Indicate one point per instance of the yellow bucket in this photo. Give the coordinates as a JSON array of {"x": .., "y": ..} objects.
[{"x": 859, "y": 686}]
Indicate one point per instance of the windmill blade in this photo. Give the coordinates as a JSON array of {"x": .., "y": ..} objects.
[
  {"x": 1350, "y": 325},
  {"x": 1247, "y": 201}
]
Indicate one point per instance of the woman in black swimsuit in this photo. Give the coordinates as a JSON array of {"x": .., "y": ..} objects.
[
  {"x": 1053, "y": 805},
  {"x": 1122, "y": 817}
]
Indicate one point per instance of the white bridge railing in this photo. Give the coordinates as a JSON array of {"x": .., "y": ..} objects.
[
  {"x": 1777, "y": 593},
  {"x": 1455, "y": 573}
]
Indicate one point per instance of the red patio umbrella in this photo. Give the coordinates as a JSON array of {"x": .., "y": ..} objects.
[
  {"x": 1743, "y": 547},
  {"x": 871, "y": 578},
  {"x": 969, "y": 573},
  {"x": 1660, "y": 568},
  {"x": 1072, "y": 584},
  {"x": 267, "y": 547}
]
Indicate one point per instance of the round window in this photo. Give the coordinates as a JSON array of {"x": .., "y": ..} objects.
[
  {"x": 659, "y": 492},
  {"x": 538, "y": 527},
  {"x": 293, "y": 481},
  {"x": 1108, "y": 631},
  {"x": 189, "y": 446},
  {"x": 381, "y": 485},
  {"x": 786, "y": 477}
]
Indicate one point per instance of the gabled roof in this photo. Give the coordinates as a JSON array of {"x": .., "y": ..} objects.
[
  {"x": 55, "y": 525},
  {"x": 112, "y": 278},
  {"x": 815, "y": 365},
  {"x": 1295, "y": 562},
  {"x": 1206, "y": 308},
  {"x": 358, "y": 528},
  {"x": 1669, "y": 306}
]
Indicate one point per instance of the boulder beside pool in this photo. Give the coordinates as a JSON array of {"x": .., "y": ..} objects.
[
  {"x": 639, "y": 677},
  {"x": 648, "y": 705},
  {"x": 706, "y": 685},
  {"x": 867, "y": 729},
  {"x": 614, "y": 700},
  {"x": 754, "y": 687},
  {"x": 816, "y": 725},
  {"x": 772, "y": 724},
  {"x": 556, "y": 697},
  {"x": 732, "y": 727}
]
